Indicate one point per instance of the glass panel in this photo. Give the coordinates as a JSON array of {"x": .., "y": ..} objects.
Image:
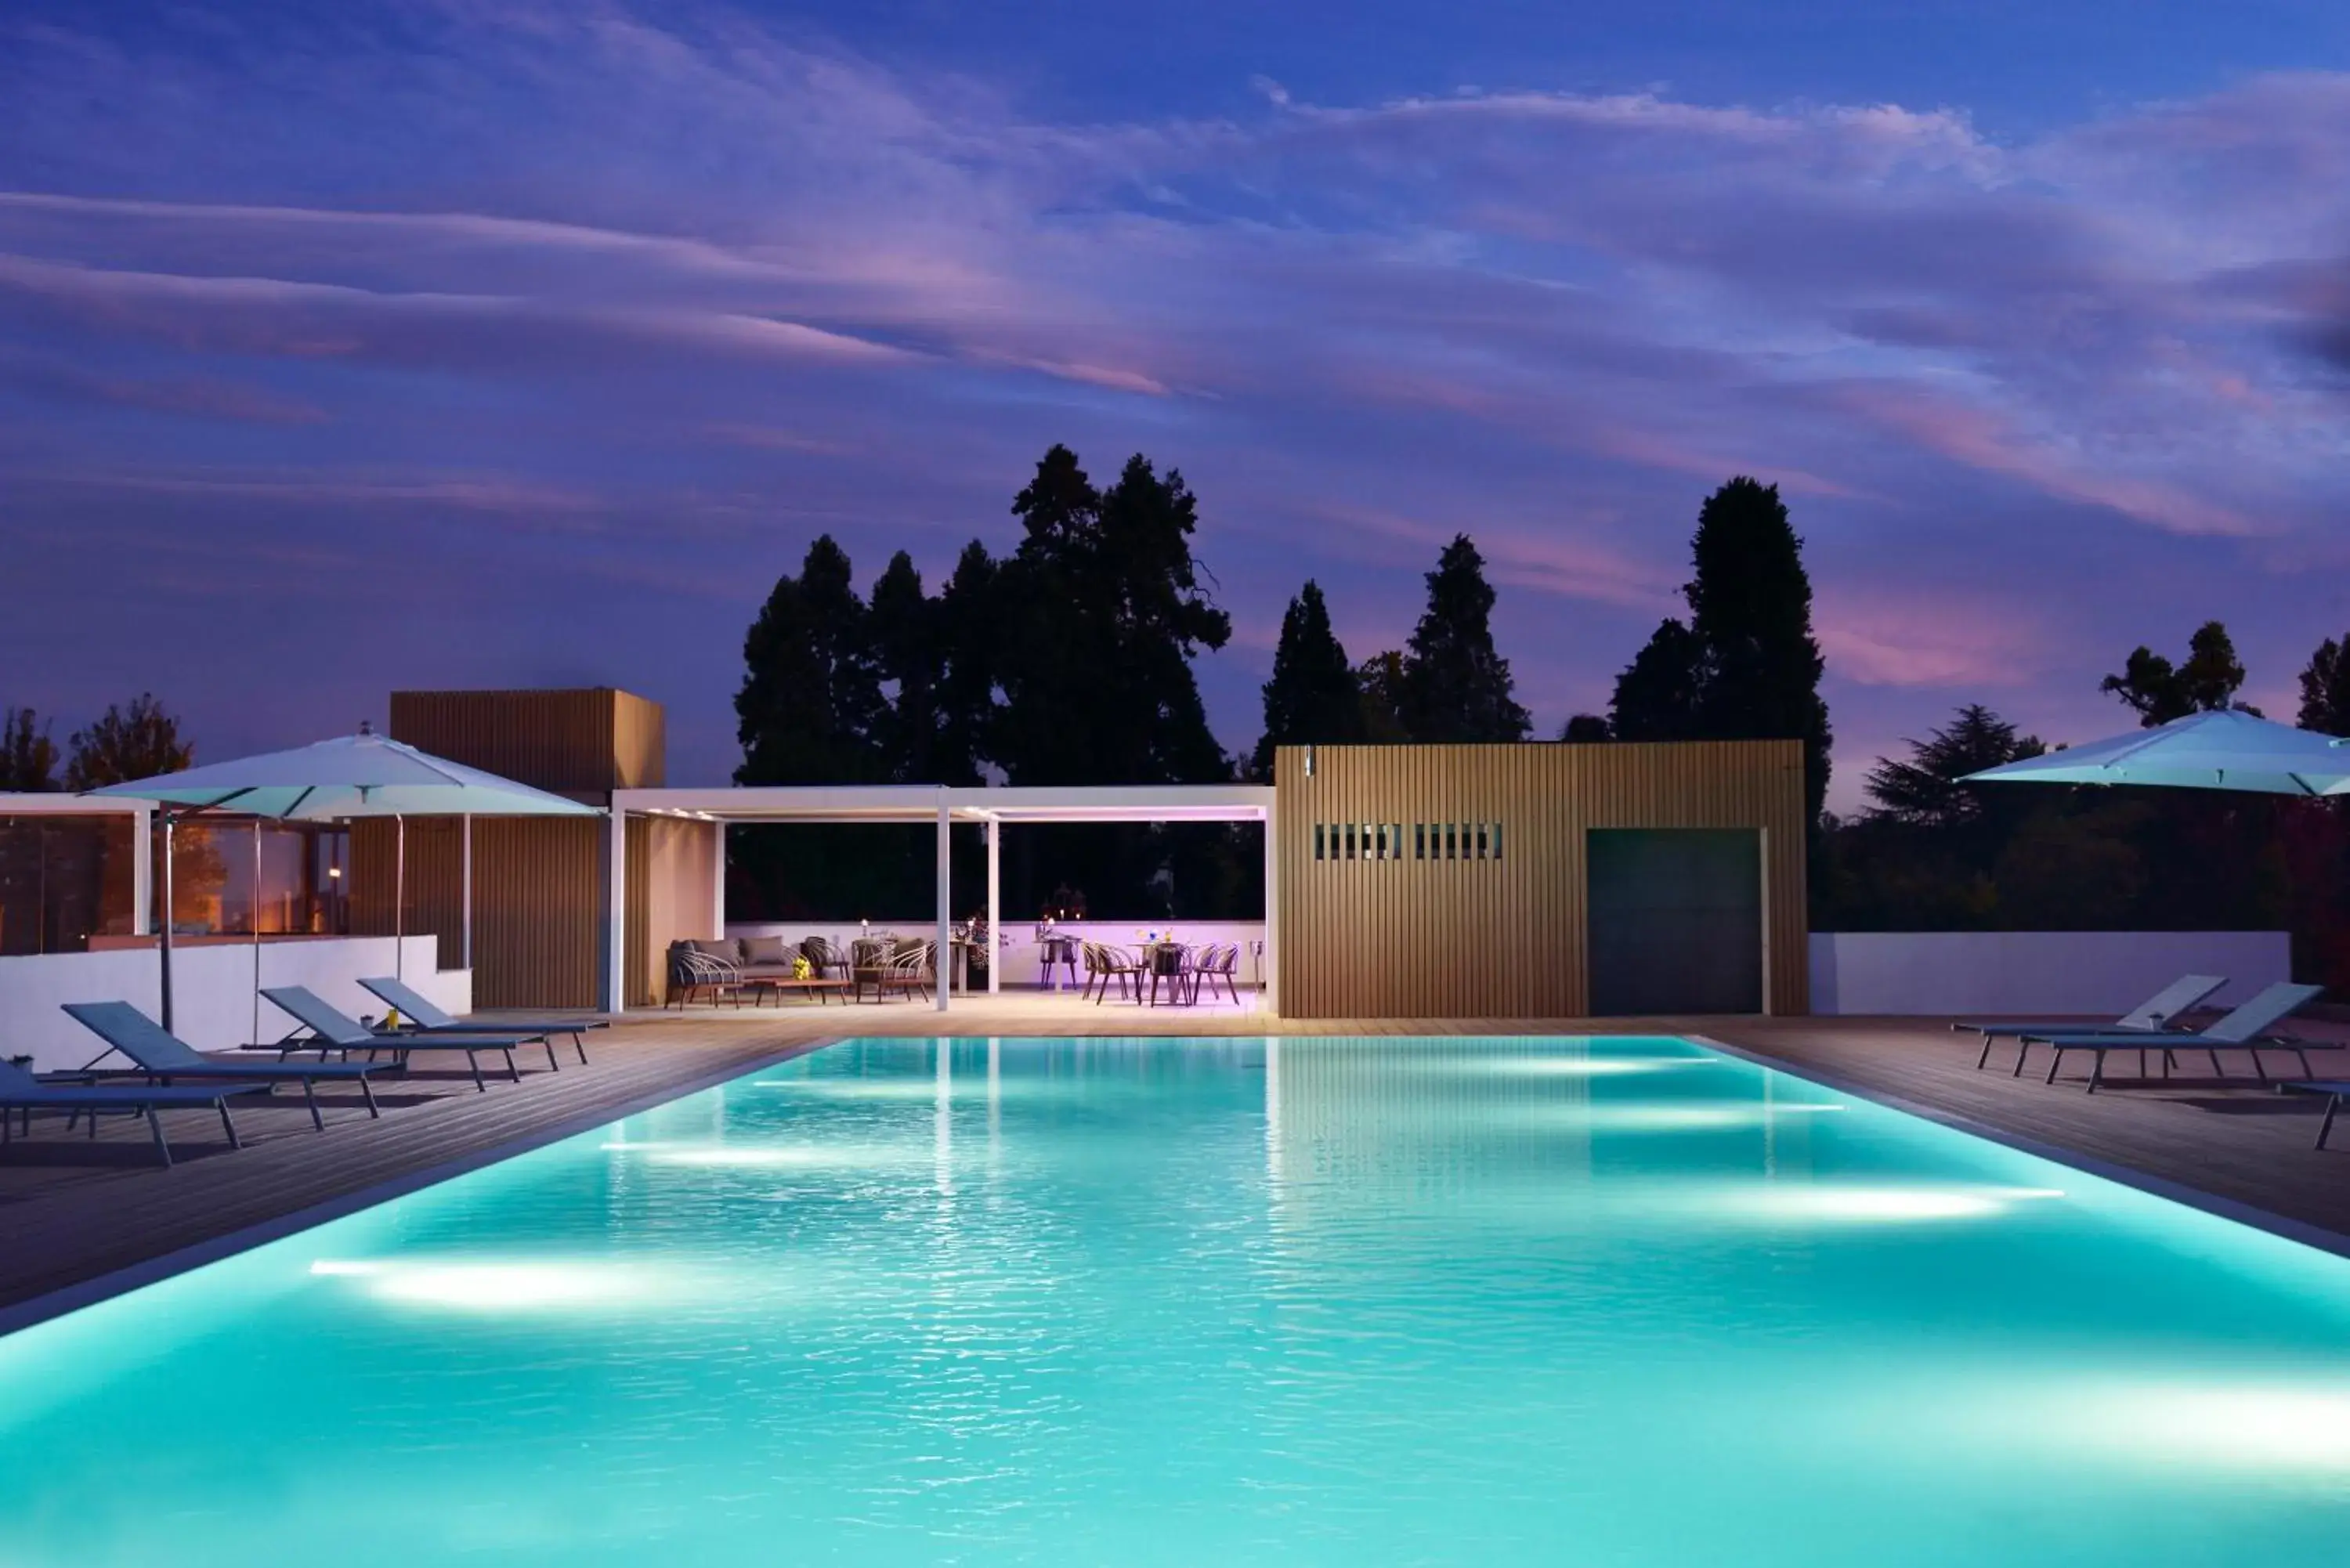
[{"x": 64, "y": 880}]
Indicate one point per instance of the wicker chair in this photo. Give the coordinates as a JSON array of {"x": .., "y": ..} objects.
[
  {"x": 824, "y": 957},
  {"x": 691, "y": 971},
  {"x": 869, "y": 962},
  {"x": 913, "y": 969},
  {"x": 1119, "y": 965}
]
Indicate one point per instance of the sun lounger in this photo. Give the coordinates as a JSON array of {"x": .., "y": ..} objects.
[
  {"x": 2246, "y": 1029},
  {"x": 331, "y": 1030},
  {"x": 424, "y": 1017},
  {"x": 2336, "y": 1091},
  {"x": 162, "y": 1057},
  {"x": 20, "y": 1091},
  {"x": 2155, "y": 1012}
]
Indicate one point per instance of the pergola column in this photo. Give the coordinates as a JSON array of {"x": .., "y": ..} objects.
[
  {"x": 994, "y": 906},
  {"x": 943, "y": 977}
]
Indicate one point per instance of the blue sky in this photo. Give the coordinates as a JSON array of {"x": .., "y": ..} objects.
[{"x": 346, "y": 348}]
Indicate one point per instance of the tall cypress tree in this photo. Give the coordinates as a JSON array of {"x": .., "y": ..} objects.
[
  {"x": 970, "y": 626},
  {"x": 1457, "y": 687},
  {"x": 1745, "y": 665},
  {"x": 1312, "y": 697},
  {"x": 810, "y": 693},
  {"x": 1750, "y": 606},
  {"x": 904, "y": 626},
  {"x": 28, "y": 758}
]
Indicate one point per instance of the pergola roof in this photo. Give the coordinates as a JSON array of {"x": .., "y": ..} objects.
[{"x": 922, "y": 803}]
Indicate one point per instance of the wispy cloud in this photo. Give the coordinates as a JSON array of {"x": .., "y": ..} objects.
[{"x": 546, "y": 262}]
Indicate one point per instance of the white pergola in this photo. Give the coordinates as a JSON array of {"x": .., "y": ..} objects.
[{"x": 990, "y": 807}]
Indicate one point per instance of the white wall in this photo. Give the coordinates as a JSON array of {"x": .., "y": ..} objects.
[
  {"x": 212, "y": 990},
  {"x": 1023, "y": 959},
  {"x": 2058, "y": 974}
]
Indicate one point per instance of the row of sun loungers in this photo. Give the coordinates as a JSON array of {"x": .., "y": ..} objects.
[
  {"x": 2149, "y": 1030},
  {"x": 164, "y": 1073}
]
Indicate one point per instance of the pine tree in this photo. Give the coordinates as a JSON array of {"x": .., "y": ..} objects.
[
  {"x": 1456, "y": 685},
  {"x": 810, "y": 694},
  {"x": 137, "y": 740},
  {"x": 1925, "y": 791},
  {"x": 1312, "y": 697},
  {"x": 28, "y": 758},
  {"x": 2159, "y": 691},
  {"x": 1105, "y": 612},
  {"x": 2326, "y": 689}
]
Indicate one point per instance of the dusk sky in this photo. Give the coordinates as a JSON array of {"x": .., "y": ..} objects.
[{"x": 348, "y": 347}]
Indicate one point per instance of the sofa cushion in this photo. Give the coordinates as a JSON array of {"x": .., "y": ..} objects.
[
  {"x": 723, "y": 948},
  {"x": 768, "y": 950}
]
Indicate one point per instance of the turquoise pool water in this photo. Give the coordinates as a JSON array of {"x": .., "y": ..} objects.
[{"x": 1618, "y": 1302}]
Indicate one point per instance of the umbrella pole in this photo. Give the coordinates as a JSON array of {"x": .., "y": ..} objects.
[
  {"x": 400, "y": 899},
  {"x": 166, "y": 947},
  {"x": 256, "y": 917}
]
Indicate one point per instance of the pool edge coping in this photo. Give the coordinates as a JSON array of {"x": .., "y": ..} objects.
[
  {"x": 2282, "y": 1226},
  {"x": 65, "y": 1299}
]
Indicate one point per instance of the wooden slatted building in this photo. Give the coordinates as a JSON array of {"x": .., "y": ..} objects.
[{"x": 1522, "y": 881}]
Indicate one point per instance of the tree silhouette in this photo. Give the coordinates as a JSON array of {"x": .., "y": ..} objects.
[
  {"x": 28, "y": 758},
  {"x": 1924, "y": 791},
  {"x": 1379, "y": 679},
  {"x": 1456, "y": 685},
  {"x": 2326, "y": 689},
  {"x": 1312, "y": 697},
  {"x": 1657, "y": 694},
  {"x": 1745, "y": 666},
  {"x": 2157, "y": 691},
  {"x": 137, "y": 740},
  {"x": 810, "y": 691},
  {"x": 1586, "y": 729}
]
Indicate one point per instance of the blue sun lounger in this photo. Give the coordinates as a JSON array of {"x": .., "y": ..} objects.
[
  {"x": 331, "y": 1030},
  {"x": 2155, "y": 1012},
  {"x": 424, "y": 1017},
  {"x": 2246, "y": 1029},
  {"x": 162, "y": 1057},
  {"x": 21, "y": 1092},
  {"x": 2336, "y": 1091}
]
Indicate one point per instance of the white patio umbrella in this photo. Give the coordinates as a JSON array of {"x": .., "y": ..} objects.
[
  {"x": 365, "y": 774},
  {"x": 2224, "y": 750}
]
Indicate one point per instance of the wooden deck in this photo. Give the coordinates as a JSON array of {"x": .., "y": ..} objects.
[{"x": 80, "y": 1217}]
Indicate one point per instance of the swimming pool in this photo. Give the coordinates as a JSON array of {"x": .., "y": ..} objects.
[{"x": 1619, "y": 1302}]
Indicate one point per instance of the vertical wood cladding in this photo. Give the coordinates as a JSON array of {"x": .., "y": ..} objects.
[
  {"x": 670, "y": 895},
  {"x": 1505, "y": 935},
  {"x": 538, "y": 890},
  {"x": 572, "y": 742}
]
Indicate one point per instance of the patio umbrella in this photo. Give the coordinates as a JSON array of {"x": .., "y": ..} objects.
[
  {"x": 365, "y": 774},
  {"x": 2223, "y": 750}
]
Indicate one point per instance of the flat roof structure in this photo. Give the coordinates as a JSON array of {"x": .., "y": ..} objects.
[{"x": 988, "y": 806}]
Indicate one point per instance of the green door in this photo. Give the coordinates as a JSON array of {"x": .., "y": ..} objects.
[{"x": 1676, "y": 920}]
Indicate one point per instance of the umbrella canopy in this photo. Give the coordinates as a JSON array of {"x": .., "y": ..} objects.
[
  {"x": 2222, "y": 750},
  {"x": 364, "y": 775}
]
